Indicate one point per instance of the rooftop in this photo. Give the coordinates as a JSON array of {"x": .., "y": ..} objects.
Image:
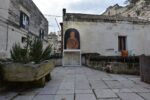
[{"x": 99, "y": 18}]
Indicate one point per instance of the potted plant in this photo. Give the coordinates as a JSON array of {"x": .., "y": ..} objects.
[{"x": 29, "y": 63}]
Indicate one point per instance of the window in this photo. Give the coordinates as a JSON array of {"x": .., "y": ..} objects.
[
  {"x": 41, "y": 35},
  {"x": 121, "y": 43},
  {"x": 24, "y": 20},
  {"x": 23, "y": 39}
]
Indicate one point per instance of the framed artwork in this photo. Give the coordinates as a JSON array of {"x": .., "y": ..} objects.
[{"x": 72, "y": 39}]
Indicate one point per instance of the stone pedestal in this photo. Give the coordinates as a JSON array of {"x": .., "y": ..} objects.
[
  {"x": 72, "y": 58},
  {"x": 145, "y": 68}
]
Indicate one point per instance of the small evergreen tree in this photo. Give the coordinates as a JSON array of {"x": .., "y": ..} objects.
[{"x": 33, "y": 51}]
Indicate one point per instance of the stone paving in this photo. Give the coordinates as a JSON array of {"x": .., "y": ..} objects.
[{"x": 81, "y": 83}]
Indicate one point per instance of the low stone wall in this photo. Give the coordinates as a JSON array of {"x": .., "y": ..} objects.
[
  {"x": 145, "y": 68},
  {"x": 17, "y": 72},
  {"x": 109, "y": 64},
  {"x": 3, "y": 55},
  {"x": 58, "y": 62},
  {"x": 57, "y": 59},
  {"x": 0, "y": 75}
]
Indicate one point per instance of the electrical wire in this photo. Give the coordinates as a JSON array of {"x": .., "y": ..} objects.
[{"x": 51, "y": 15}]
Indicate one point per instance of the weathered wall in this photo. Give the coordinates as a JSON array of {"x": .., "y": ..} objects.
[
  {"x": 10, "y": 30},
  {"x": 36, "y": 19},
  {"x": 4, "y": 5},
  {"x": 102, "y": 37}
]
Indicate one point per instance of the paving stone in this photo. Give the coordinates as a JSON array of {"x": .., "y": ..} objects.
[
  {"x": 81, "y": 80},
  {"x": 105, "y": 93},
  {"x": 142, "y": 84},
  {"x": 85, "y": 97},
  {"x": 118, "y": 77},
  {"x": 109, "y": 79},
  {"x": 127, "y": 83},
  {"x": 53, "y": 84},
  {"x": 24, "y": 97},
  {"x": 67, "y": 85},
  {"x": 65, "y": 92},
  {"x": 82, "y": 85},
  {"x": 31, "y": 91},
  {"x": 140, "y": 90},
  {"x": 48, "y": 91},
  {"x": 80, "y": 77},
  {"x": 110, "y": 99},
  {"x": 63, "y": 97},
  {"x": 44, "y": 97},
  {"x": 98, "y": 84},
  {"x": 136, "y": 80},
  {"x": 116, "y": 90},
  {"x": 83, "y": 91},
  {"x": 114, "y": 84},
  {"x": 129, "y": 96},
  {"x": 145, "y": 95},
  {"x": 122, "y": 90}
]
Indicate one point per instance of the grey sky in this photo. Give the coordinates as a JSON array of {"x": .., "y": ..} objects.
[{"x": 54, "y": 7}]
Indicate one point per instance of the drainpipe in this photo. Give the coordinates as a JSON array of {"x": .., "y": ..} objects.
[
  {"x": 7, "y": 38},
  {"x": 61, "y": 24}
]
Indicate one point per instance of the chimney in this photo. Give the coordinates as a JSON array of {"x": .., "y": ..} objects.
[{"x": 64, "y": 11}]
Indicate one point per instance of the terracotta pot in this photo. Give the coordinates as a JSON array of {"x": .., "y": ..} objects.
[{"x": 124, "y": 53}]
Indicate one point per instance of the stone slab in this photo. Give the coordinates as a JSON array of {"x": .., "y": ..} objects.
[
  {"x": 98, "y": 84},
  {"x": 83, "y": 91},
  {"x": 105, "y": 94},
  {"x": 85, "y": 97},
  {"x": 64, "y": 97},
  {"x": 129, "y": 96},
  {"x": 25, "y": 97},
  {"x": 145, "y": 95},
  {"x": 44, "y": 97},
  {"x": 65, "y": 92}
]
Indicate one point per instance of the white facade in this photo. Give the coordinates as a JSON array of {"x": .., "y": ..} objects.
[{"x": 102, "y": 37}]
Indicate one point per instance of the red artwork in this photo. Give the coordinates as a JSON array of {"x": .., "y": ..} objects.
[
  {"x": 72, "y": 42},
  {"x": 72, "y": 39}
]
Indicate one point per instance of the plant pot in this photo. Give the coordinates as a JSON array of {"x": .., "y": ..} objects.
[{"x": 17, "y": 72}]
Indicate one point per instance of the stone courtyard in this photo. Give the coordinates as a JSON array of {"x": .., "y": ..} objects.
[{"x": 81, "y": 83}]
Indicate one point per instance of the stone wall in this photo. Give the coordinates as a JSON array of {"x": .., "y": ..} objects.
[
  {"x": 36, "y": 18},
  {"x": 113, "y": 64},
  {"x": 10, "y": 30},
  {"x": 102, "y": 37},
  {"x": 144, "y": 68}
]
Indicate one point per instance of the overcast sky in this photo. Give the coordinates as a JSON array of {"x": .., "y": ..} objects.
[{"x": 54, "y": 7}]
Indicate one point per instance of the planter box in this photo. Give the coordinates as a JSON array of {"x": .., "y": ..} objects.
[
  {"x": 17, "y": 72},
  {"x": 145, "y": 68}
]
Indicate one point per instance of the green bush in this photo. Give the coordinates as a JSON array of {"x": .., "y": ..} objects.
[
  {"x": 19, "y": 54},
  {"x": 36, "y": 49},
  {"x": 33, "y": 51}
]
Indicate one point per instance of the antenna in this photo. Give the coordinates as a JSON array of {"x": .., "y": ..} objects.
[{"x": 57, "y": 23}]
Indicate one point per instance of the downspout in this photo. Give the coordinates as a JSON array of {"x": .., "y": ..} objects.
[{"x": 7, "y": 38}]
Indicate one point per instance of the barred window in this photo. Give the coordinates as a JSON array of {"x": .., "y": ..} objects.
[{"x": 24, "y": 20}]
